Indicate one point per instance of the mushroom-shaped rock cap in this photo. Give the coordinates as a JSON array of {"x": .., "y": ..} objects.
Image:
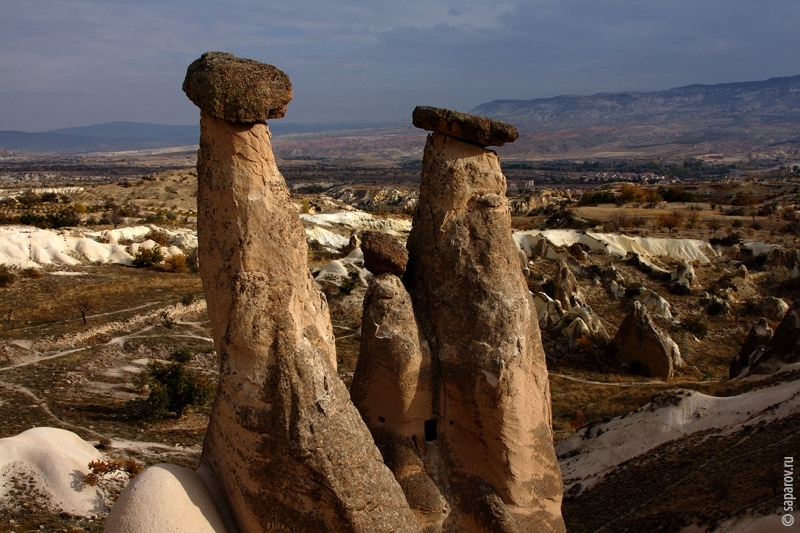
[
  {"x": 471, "y": 128},
  {"x": 383, "y": 253},
  {"x": 237, "y": 90}
]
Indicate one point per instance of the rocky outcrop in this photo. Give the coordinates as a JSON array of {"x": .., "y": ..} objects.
[
  {"x": 645, "y": 266},
  {"x": 781, "y": 259},
  {"x": 784, "y": 347},
  {"x": 470, "y": 128},
  {"x": 773, "y": 308},
  {"x": 581, "y": 324},
  {"x": 683, "y": 278},
  {"x": 549, "y": 311},
  {"x": 285, "y": 445},
  {"x": 167, "y": 498},
  {"x": 655, "y": 304},
  {"x": 236, "y": 89},
  {"x": 487, "y": 442},
  {"x": 757, "y": 339},
  {"x": 565, "y": 287},
  {"x": 641, "y": 344},
  {"x": 525, "y": 202},
  {"x": 383, "y": 253}
]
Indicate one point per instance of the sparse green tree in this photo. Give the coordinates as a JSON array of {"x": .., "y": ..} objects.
[
  {"x": 147, "y": 257},
  {"x": 173, "y": 388}
]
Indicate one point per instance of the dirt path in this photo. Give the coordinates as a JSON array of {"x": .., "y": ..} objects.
[{"x": 631, "y": 383}]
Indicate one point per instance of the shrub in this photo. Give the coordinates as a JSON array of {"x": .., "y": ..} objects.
[
  {"x": 29, "y": 198},
  {"x": 184, "y": 355},
  {"x": 717, "y": 308},
  {"x": 65, "y": 217},
  {"x": 176, "y": 263},
  {"x": 173, "y": 388},
  {"x": 147, "y": 257},
  {"x": 32, "y": 219},
  {"x": 31, "y": 273},
  {"x": 7, "y": 276},
  {"x": 158, "y": 236},
  {"x": 154, "y": 218},
  {"x": 730, "y": 240},
  {"x": 166, "y": 319},
  {"x": 100, "y": 469}
]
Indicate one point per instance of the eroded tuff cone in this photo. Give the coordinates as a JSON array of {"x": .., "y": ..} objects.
[
  {"x": 492, "y": 398},
  {"x": 383, "y": 253},
  {"x": 639, "y": 341},
  {"x": 237, "y": 90},
  {"x": 471, "y": 128},
  {"x": 284, "y": 443},
  {"x": 392, "y": 388},
  {"x": 565, "y": 287}
]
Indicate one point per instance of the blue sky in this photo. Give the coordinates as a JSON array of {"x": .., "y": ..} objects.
[{"x": 78, "y": 62}]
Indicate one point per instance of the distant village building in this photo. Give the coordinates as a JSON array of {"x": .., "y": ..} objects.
[{"x": 520, "y": 185}]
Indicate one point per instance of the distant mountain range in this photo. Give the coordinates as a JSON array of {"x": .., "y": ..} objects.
[
  {"x": 776, "y": 99},
  {"x": 760, "y": 118},
  {"x": 125, "y": 136},
  {"x": 733, "y": 118}
]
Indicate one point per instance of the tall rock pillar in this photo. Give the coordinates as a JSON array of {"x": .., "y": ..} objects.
[
  {"x": 473, "y": 307},
  {"x": 284, "y": 444}
]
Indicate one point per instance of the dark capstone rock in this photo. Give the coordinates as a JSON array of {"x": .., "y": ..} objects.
[
  {"x": 471, "y": 128},
  {"x": 383, "y": 253},
  {"x": 237, "y": 90}
]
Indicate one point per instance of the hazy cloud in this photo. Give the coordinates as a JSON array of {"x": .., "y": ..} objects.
[{"x": 86, "y": 61}]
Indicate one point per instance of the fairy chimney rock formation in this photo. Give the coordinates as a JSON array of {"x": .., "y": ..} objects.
[
  {"x": 284, "y": 445},
  {"x": 641, "y": 343},
  {"x": 565, "y": 287},
  {"x": 757, "y": 339},
  {"x": 236, "y": 89},
  {"x": 383, "y": 253},
  {"x": 392, "y": 388},
  {"x": 488, "y": 442},
  {"x": 470, "y": 128}
]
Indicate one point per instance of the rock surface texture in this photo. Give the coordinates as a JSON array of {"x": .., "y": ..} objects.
[
  {"x": 784, "y": 346},
  {"x": 383, "y": 253},
  {"x": 237, "y": 90},
  {"x": 757, "y": 339},
  {"x": 285, "y": 444},
  {"x": 470, "y": 128},
  {"x": 640, "y": 342},
  {"x": 482, "y": 428}
]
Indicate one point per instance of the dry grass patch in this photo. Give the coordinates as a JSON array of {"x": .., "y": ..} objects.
[{"x": 51, "y": 304}]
